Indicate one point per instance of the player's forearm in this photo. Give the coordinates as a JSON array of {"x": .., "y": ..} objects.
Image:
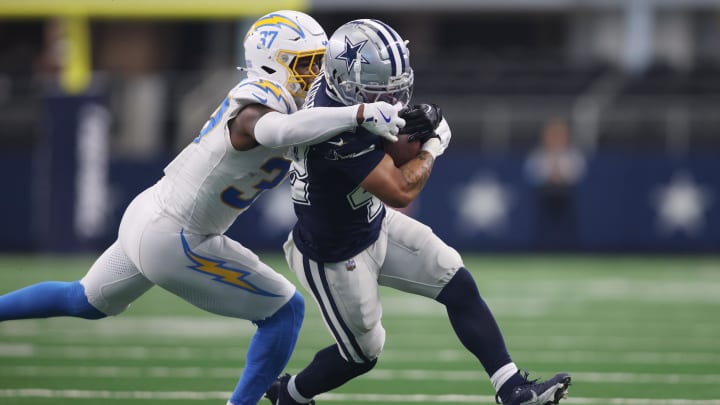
[
  {"x": 415, "y": 174},
  {"x": 309, "y": 126},
  {"x": 417, "y": 171}
]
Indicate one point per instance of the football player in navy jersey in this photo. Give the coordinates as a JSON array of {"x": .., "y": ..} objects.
[
  {"x": 172, "y": 234},
  {"x": 346, "y": 243}
]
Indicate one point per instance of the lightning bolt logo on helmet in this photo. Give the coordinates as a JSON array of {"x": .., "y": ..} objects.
[
  {"x": 221, "y": 272},
  {"x": 276, "y": 20},
  {"x": 278, "y": 42}
]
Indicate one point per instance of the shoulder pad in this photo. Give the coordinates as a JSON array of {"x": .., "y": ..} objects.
[{"x": 266, "y": 92}]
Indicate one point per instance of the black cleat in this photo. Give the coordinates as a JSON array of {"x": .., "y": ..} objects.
[
  {"x": 540, "y": 393},
  {"x": 278, "y": 393}
]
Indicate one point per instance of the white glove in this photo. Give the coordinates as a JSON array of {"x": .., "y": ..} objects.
[
  {"x": 436, "y": 146},
  {"x": 382, "y": 119},
  {"x": 443, "y": 131}
]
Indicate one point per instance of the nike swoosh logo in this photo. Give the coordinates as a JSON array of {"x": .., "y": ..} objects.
[
  {"x": 364, "y": 151},
  {"x": 341, "y": 142},
  {"x": 386, "y": 118},
  {"x": 336, "y": 156}
]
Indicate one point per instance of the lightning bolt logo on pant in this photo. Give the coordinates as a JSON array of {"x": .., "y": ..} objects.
[{"x": 221, "y": 271}]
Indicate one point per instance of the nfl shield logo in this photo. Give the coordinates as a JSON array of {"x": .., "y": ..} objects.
[{"x": 350, "y": 265}]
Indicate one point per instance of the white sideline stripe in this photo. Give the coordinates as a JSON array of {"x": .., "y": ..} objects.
[
  {"x": 379, "y": 374},
  {"x": 370, "y": 398},
  {"x": 25, "y": 350},
  {"x": 190, "y": 326}
]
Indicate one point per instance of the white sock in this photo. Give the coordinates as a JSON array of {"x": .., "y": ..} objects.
[
  {"x": 503, "y": 374},
  {"x": 294, "y": 394}
]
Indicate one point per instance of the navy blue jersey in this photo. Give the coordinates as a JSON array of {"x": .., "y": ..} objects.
[{"x": 336, "y": 217}]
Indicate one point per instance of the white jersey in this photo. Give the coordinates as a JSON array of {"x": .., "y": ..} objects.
[
  {"x": 210, "y": 183},
  {"x": 172, "y": 234}
]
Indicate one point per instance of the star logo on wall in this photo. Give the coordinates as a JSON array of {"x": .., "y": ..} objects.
[
  {"x": 351, "y": 53},
  {"x": 483, "y": 205},
  {"x": 681, "y": 205}
]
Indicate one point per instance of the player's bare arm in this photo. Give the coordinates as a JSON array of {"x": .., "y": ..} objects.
[
  {"x": 398, "y": 187},
  {"x": 417, "y": 171},
  {"x": 242, "y": 127}
]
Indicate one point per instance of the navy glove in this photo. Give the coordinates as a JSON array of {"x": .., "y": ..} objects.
[{"x": 421, "y": 120}]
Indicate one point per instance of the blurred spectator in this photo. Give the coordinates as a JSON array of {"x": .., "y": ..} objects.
[
  {"x": 554, "y": 168},
  {"x": 49, "y": 59}
]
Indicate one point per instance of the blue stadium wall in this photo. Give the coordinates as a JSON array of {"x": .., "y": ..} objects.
[
  {"x": 473, "y": 203},
  {"x": 624, "y": 203}
]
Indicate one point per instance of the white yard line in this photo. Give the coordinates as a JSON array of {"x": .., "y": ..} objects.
[
  {"x": 378, "y": 374},
  {"x": 446, "y": 356}
]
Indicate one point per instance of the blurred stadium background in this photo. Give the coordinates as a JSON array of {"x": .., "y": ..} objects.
[
  {"x": 584, "y": 176},
  {"x": 97, "y": 100}
]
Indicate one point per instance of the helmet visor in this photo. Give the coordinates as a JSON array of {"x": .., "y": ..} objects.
[
  {"x": 370, "y": 95},
  {"x": 399, "y": 92}
]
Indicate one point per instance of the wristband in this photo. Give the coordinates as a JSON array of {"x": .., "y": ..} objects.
[{"x": 433, "y": 147}]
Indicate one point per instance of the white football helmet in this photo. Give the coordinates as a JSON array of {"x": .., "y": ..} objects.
[
  {"x": 275, "y": 44},
  {"x": 367, "y": 61}
]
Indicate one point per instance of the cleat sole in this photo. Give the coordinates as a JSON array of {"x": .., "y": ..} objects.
[{"x": 562, "y": 391}]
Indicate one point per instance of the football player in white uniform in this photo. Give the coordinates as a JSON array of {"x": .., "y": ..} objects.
[
  {"x": 172, "y": 234},
  {"x": 346, "y": 244}
]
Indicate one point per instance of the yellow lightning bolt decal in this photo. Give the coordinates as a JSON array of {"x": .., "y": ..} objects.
[
  {"x": 221, "y": 272},
  {"x": 269, "y": 88},
  {"x": 277, "y": 19}
]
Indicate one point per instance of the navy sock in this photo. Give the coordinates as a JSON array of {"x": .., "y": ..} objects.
[
  {"x": 473, "y": 322},
  {"x": 328, "y": 370},
  {"x": 269, "y": 351},
  {"x": 48, "y": 299}
]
